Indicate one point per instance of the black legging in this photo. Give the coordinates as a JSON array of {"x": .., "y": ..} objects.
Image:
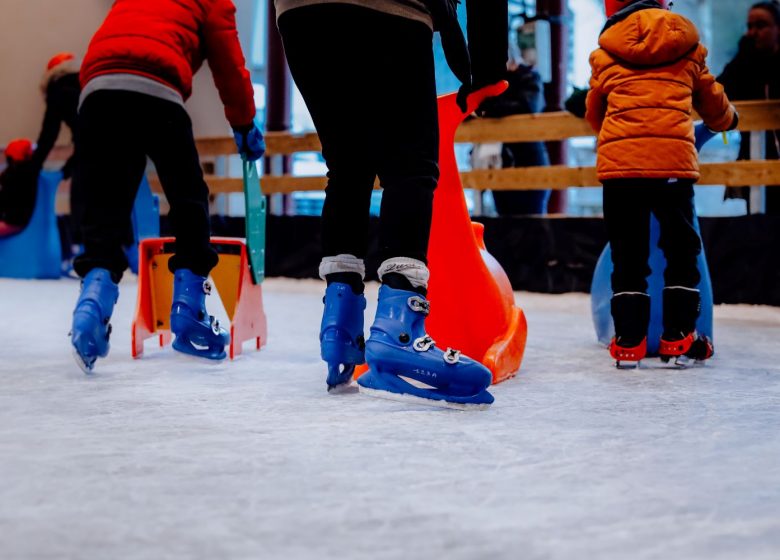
[
  {"x": 368, "y": 81},
  {"x": 627, "y": 207},
  {"x": 118, "y": 130}
]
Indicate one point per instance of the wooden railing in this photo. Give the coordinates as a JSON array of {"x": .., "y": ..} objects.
[{"x": 754, "y": 116}]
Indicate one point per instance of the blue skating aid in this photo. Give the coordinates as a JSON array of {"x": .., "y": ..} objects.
[
  {"x": 342, "y": 344},
  {"x": 405, "y": 365},
  {"x": 197, "y": 333},
  {"x": 91, "y": 328}
]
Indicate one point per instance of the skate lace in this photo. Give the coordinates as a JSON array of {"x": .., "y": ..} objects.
[{"x": 419, "y": 304}]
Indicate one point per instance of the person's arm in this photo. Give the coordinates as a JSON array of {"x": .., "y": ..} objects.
[
  {"x": 50, "y": 131},
  {"x": 710, "y": 99},
  {"x": 224, "y": 56},
  {"x": 596, "y": 100}
]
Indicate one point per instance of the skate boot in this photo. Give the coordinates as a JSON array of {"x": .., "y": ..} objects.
[
  {"x": 680, "y": 341},
  {"x": 197, "y": 333},
  {"x": 91, "y": 328},
  {"x": 342, "y": 344},
  {"x": 631, "y": 315},
  {"x": 405, "y": 365}
]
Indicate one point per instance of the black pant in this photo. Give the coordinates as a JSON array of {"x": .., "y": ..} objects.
[
  {"x": 368, "y": 81},
  {"x": 627, "y": 207},
  {"x": 118, "y": 130}
]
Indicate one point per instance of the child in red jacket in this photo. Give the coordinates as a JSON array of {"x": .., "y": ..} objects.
[
  {"x": 648, "y": 77},
  {"x": 135, "y": 78}
]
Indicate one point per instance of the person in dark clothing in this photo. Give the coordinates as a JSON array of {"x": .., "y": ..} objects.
[
  {"x": 525, "y": 95},
  {"x": 371, "y": 93},
  {"x": 135, "y": 78},
  {"x": 61, "y": 89},
  {"x": 754, "y": 74},
  {"x": 18, "y": 187}
]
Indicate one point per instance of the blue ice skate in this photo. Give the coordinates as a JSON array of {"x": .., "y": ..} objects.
[
  {"x": 405, "y": 365},
  {"x": 197, "y": 333},
  {"x": 342, "y": 344},
  {"x": 91, "y": 328}
]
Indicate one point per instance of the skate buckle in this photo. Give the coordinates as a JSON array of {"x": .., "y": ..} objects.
[
  {"x": 419, "y": 304},
  {"x": 423, "y": 344},
  {"x": 207, "y": 287},
  {"x": 452, "y": 356},
  {"x": 214, "y": 325}
]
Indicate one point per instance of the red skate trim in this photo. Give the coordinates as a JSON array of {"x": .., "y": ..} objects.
[
  {"x": 672, "y": 348},
  {"x": 624, "y": 354}
]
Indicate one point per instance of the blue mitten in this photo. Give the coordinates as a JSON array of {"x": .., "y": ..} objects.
[
  {"x": 703, "y": 135},
  {"x": 250, "y": 141}
]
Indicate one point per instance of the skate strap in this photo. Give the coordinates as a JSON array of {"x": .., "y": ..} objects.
[{"x": 419, "y": 304}]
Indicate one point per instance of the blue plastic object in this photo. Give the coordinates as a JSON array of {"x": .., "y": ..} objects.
[
  {"x": 601, "y": 286},
  {"x": 145, "y": 219},
  {"x": 91, "y": 328},
  {"x": 601, "y": 293},
  {"x": 35, "y": 252},
  {"x": 341, "y": 333},
  {"x": 399, "y": 348},
  {"x": 197, "y": 333}
]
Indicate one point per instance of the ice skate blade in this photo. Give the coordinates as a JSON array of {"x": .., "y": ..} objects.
[
  {"x": 83, "y": 366},
  {"x": 627, "y": 365},
  {"x": 414, "y": 399},
  {"x": 187, "y": 347},
  {"x": 347, "y": 388}
]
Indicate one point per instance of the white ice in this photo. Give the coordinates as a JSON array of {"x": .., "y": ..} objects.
[{"x": 165, "y": 457}]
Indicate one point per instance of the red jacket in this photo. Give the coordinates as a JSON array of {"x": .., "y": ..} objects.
[{"x": 167, "y": 41}]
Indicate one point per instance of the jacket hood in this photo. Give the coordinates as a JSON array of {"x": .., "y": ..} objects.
[{"x": 650, "y": 37}]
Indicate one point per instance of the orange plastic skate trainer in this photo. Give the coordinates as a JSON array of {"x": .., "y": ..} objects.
[
  {"x": 242, "y": 299},
  {"x": 472, "y": 303}
]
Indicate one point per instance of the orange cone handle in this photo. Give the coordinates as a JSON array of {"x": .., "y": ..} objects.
[{"x": 472, "y": 302}]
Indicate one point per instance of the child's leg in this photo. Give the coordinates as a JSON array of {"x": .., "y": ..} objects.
[
  {"x": 673, "y": 206},
  {"x": 681, "y": 244},
  {"x": 627, "y": 218},
  {"x": 171, "y": 146},
  {"x": 110, "y": 167}
]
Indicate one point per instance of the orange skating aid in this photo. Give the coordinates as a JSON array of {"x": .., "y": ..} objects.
[
  {"x": 472, "y": 302},
  {"x": 241, "y": 298}
]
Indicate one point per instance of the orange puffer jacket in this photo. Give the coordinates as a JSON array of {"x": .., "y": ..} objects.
[
  {"x": 168, "y": 41},
  {"x": 648, "y": 76}
]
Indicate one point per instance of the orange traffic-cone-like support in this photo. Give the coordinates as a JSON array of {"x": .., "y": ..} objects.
[
  {"x": 241, "y": 298},
  {"x": 472, "y": 302}
]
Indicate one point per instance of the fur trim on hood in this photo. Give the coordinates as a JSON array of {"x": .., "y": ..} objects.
[{"x": 71, "y": 66}]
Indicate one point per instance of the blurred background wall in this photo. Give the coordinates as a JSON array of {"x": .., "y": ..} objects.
[{"x": 31, "y": 31}]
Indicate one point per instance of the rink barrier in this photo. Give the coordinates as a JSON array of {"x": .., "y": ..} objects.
[
  {"x": 241, "y": 297},
  {"x": 754, "y": 116}
]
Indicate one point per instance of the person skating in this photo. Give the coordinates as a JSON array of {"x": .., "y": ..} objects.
[
  {"x": 370, "y": 88},
  {"x": 648, "y": 76},
  {"x": 135, "y": 77}
]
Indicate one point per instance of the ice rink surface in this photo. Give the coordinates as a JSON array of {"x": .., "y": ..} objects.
[{"x": 166, "y": 457}]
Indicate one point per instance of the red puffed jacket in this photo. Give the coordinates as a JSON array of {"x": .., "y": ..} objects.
[{"x": 167, "y": 41}]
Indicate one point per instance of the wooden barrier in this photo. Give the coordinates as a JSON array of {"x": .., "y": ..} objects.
[{"x": 754, "y": 116}]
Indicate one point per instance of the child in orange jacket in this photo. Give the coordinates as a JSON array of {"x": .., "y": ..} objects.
[{"x": 648, "y": 77}]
